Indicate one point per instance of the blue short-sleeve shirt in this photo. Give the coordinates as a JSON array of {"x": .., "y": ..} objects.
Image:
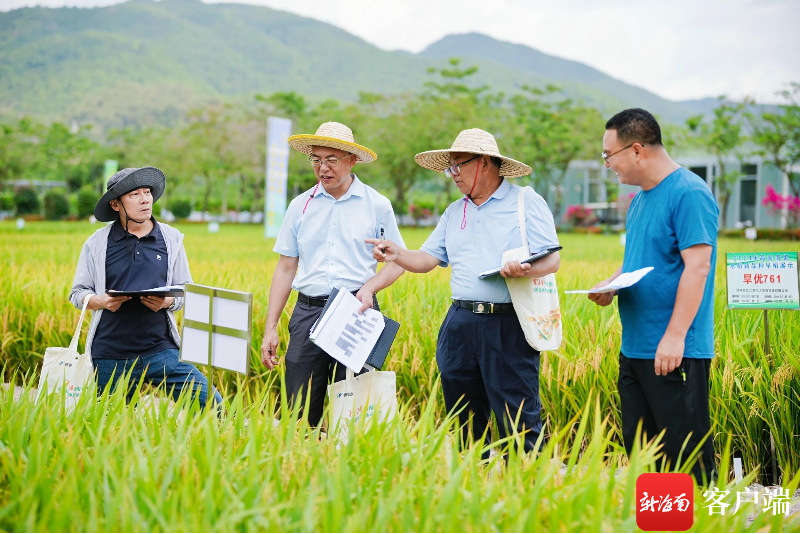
[
  {"x": 490, "y": 229},
  {"x": 329, "y": 237},
  {"x": 678, "y": 213}
]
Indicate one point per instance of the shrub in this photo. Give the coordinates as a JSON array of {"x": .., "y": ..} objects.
[
  {"x": 579, "y": 216},
  {"x": 624, "y": 204},
  {"x": 87, "y": 199},
  {"x": 26, "y": 201},
  {"x": 419, "y": 212},
  {"x": 776, "y": 234},
  {"x": 775, "y": 203},
  {"x": 7, "y": 201},
  {"x": 180, "y": 208},
  {"x": 56, "y": 205},
  {"x": 591, "y": 230}
]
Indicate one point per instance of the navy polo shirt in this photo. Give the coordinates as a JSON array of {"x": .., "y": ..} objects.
[{"x": 134, "y": 263}]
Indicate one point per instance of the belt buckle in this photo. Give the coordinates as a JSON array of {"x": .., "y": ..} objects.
[{"x": 481, "y": 308}]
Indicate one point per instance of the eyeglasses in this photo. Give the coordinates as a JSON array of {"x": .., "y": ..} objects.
[
  {"x": 329, "y": 161},
  {"x": 455, "y": 170},
  {"x": 607, "y": 156}
]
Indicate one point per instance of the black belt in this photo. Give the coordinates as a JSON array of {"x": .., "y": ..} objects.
[
  {"x": 484, "y": 307},
  {"x": 316, "y": 301},
  {"x": 312, "y": 301}
]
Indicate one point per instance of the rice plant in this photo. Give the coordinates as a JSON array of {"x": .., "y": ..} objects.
[{"x": 111, "y": 466}]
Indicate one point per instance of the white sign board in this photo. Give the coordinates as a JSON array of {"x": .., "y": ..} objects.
[
  {"x": 217, "y": 328},
  {"x": 763, "y": 280},
  {"x": 278, "y": 131}
]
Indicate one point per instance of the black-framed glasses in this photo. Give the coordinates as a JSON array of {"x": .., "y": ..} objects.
[
  {"x": 606, "y": 156},
  {"x": 330, "y": 161},
  {"x": 455, "y": 170}
]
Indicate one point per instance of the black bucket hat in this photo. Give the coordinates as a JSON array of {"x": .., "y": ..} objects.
[{"x": 126, "y": 181}]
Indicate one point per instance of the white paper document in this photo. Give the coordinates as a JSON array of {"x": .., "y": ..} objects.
[
  {"x": 344, "y": 334},
  {"x": 158, "y": 291},
  {"x": 622, "y": 281}
]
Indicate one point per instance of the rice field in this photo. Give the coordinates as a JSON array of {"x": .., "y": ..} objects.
[{"x": 155, "y": 467}]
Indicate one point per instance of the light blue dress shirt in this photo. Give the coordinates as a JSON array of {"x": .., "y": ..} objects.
[
  {"x": 329, "y": 237},
  {"x": 491, "y": 229}
]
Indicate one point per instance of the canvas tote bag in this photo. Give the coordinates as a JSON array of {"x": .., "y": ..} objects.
[
  {"x": 65, "y": 369},
  {"x": 535, "y": 299},
  {"x": 371, "y": 396}
]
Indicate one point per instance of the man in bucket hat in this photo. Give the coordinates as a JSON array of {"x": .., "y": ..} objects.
[
  {"x": 321, "y": 246},
  {"x": 133, "y": 253},
  {"x": 485, "y": 362}
]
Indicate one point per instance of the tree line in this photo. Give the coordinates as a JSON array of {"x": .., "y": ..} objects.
[{"x": 214, "y": 159}]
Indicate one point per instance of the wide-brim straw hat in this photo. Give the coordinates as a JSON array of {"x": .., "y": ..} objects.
[
  {"x": 332, "y": 135},
  {"x": 473, "y": 141},
  {"x": 126, "y": 181}
]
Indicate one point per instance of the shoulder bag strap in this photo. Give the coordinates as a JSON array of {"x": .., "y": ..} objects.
[
  {"x": 521, "y": 217},
  {"x": 73, "y": 345}
]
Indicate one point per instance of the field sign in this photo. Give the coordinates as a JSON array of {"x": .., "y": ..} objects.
[
  {"x": 763, "y": 281},
  {"x": 217, "y": 328}
]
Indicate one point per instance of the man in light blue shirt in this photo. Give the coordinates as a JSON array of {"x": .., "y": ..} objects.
[
  {"x": 321, "y": 246},
  {"x": 483, "y": 357}
]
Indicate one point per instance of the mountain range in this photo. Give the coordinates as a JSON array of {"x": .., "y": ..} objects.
[{"x": 145, "y": 62}]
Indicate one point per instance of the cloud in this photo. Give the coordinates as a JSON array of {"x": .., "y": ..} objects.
[{"x": 680, "y": 49}]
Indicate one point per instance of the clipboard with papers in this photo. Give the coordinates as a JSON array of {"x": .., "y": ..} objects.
[
  {"x": 353, "y": 339},
  {"x": 166, "y": 291},
  {"x": 537, "y": 256}
]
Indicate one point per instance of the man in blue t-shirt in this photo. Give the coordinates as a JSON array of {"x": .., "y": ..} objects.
[{"x": 668, "y": 316}]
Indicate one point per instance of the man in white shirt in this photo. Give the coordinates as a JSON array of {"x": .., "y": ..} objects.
[{"x": 322, "y": 246}]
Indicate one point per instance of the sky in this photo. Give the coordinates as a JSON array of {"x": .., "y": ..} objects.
[{"x": 678, "y": 49}]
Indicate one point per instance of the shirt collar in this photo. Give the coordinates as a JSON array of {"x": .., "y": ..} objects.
[
  {"x": 357, "y": 188},
  {"x": 118, "y": 232},
  {"x": 499, "y": 193}
]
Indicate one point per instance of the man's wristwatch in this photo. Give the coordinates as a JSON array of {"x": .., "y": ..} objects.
[{"x": 171, "y": 307}]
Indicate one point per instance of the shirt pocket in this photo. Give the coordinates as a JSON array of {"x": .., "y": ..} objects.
[
  {"x": 312, "y": 235},
  {"x": 353, "y": 231}
]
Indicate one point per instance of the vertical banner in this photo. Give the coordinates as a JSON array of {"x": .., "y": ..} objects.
[
  {"x": 278, "y": 131},
  {"x": 110, "y": 168}
]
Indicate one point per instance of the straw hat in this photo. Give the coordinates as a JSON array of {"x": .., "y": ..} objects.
[
  {"x": 126, "y": 181},
  {"x": 332, "y": 135},
  {"x": 473, "y": 141}
]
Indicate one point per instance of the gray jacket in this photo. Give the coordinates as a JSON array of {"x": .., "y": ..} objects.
[{"x": 90, "y": 276}]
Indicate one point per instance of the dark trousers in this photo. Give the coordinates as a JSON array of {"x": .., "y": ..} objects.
[
  {"x": 307, "y": 363},
  {"x": 487, "y": 365},
  {"x": 668, "y": 403},
  {"x": 161, "y": 367}
]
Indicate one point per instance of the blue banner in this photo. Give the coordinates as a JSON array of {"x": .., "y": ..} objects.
[{"x": 278, "y": 131}]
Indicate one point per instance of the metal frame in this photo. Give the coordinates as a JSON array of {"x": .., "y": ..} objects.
[{"x": 211, "y": 328}]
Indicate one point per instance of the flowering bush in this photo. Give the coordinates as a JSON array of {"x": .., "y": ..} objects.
[
  {"x": 776, "y": 203},
  {"x": 418, "y": 212},
  {"x": 624, "y": 203},
  {"x": 580, "y": 216}
]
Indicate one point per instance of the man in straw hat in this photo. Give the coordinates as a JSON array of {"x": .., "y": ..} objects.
[
  {"x": 484, "y": 360},
  {"x": 133, "y": 253},
  {"x": 321, "y": 246}
]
